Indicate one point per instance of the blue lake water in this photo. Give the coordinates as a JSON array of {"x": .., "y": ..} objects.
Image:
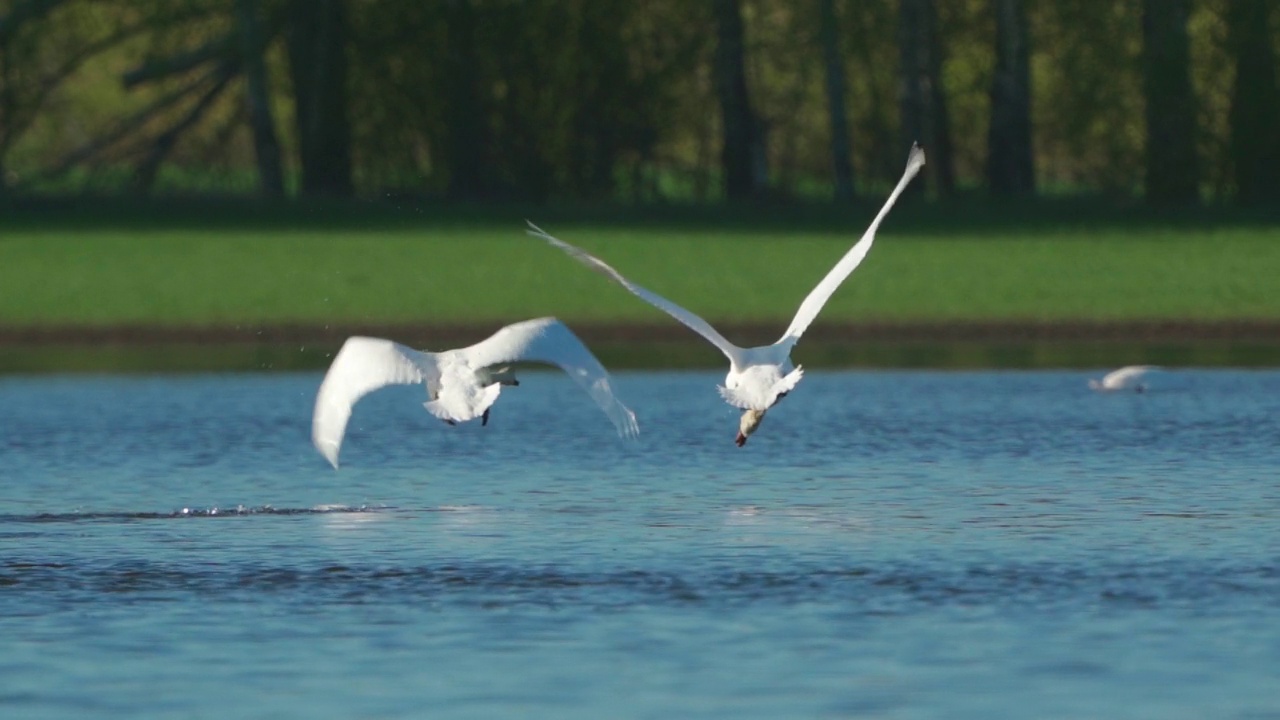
[{"x": 889, "y": 544}]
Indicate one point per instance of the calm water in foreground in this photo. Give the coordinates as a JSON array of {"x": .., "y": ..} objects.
[{"x": 900, "y": 545}]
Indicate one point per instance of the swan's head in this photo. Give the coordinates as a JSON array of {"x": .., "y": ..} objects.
[{"x": 751, "y": 420}]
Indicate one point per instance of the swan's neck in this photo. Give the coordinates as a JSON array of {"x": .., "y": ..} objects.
[{"x": 750, "y": 422}]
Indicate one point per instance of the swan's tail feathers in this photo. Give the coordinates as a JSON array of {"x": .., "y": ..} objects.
[
  {"x": 735, "y": 398},
  {"x": 437, "y": 408},
  {"x": 457, "y": 412}
]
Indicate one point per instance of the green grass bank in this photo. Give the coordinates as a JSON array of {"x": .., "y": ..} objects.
[{"x": 240, "y": 264}]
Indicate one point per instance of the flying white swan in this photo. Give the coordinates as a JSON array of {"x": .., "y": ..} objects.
[
  {"x": 759, "y": 376},
  {"x": 1126, "y": 378},
  {"x": 461, "y": 384}
]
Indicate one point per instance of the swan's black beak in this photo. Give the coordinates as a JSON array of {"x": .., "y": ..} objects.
[{"x": 484, "y": 419}]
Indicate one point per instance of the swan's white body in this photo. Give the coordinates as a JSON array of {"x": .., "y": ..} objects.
[
  {"x": 461, "y": 384},
  {"x": 1126, "y": 378},
  {"x": 759, "y": 376}
]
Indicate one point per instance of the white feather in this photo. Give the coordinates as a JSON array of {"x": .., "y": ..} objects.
[
  {"x": 689, "y": 319},
  {"x": 455, "y": 379},
  {"x": 757, "y": 376},
  {"x": 818, "y": 297},
  {"x": 549, "y": 341},
  {"x": 363, "y": 365},
  {"x": 1122, "y": 379}
]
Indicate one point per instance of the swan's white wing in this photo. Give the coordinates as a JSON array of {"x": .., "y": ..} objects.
[
  {"x": 818, "y": 297},
  {"x": 362, "y": 365},
  {"x": 1125, "y": 375},
  {"x": 547, "y": 340},
  {"x": 690, "y": 320}
]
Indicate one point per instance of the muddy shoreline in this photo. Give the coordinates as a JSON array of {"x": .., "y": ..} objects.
[{"x": 938, "y": 345}]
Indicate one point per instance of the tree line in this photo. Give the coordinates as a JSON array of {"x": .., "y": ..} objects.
[{"x": 1173, "y": 101}]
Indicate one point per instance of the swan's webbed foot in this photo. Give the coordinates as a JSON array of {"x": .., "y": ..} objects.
[
  {"x": 740, "y": 440},
  {"x": 447, "y": 421},
  {"x": 484, "y": 419}
]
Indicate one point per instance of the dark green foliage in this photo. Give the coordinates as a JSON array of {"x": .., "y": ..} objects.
[
  {"x": 1173, "y": 175},
  {"x": 638, "y": 100},
  {"x": 1255, "y": 102},
  {"x": 1009, "y": 155}
]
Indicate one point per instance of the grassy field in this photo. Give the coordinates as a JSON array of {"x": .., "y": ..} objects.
[{"x": 930, "y": 263}]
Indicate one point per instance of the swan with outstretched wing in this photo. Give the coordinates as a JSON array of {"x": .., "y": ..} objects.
[
  {"x": 759, "y": 376},
  {"x": 461, "y": 384},
  {"x": 1126, "y": 378}
]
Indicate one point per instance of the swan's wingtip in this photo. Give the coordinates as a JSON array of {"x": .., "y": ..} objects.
[
  {"x": 629, "y": 429},
  {"x": 328, "y": 449},
  {"x": 535, "y": 231},
  {"x": 916, "y": 157}
]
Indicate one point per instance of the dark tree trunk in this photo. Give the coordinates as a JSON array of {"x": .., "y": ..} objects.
[
  {"x": 841, "y": 161},
  {"x": 1172, "y": 171},
  {"x": 8, "y": 109},
  {"x": 265, "y": 144},
  {"x": 921, "y": 99},
  {"x": 465, "y": 117},
  {"x": 1010, "y": 170},
  {"x": 602, "y": 124},
  {"x": 318, "y": 65},
  {"x": 741, "y": 129},
  {"x": 1255, "y": 102}
]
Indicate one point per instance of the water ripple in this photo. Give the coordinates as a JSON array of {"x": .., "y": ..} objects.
[
  {"x": 887, "y": 588},
  {"x": 186, "y": 512}
]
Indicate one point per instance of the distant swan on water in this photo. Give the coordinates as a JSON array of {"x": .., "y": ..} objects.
[
  {"x": 461, "y": 384},
  {"x": 759, "y": 376},
  {"x": 1126, "y": 378}
]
